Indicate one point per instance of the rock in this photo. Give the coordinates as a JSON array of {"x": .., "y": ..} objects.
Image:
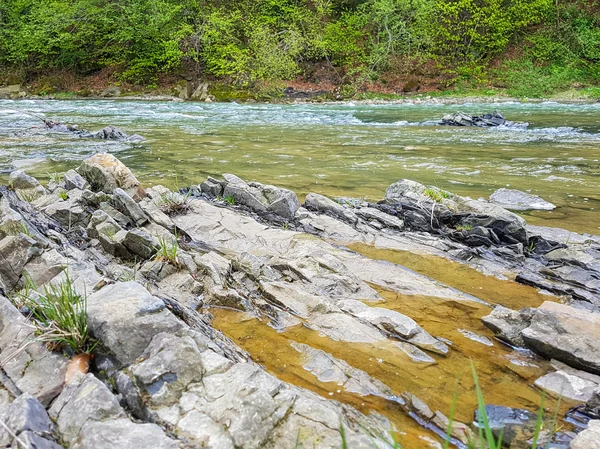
[
  {"x": 140, "y": 243},
  {"x": 168, "y": 366},
  {"x": 570, "y": 383},
  {"x": 389, "y": 221},
  {"x": 68, "y": 213},
  {"x": 411, "y": 86},
  {"x": 327, "y": 368},
  {"x": 45, "y": 267},
  {"x": 339, "y": 326},
  {"x": 588, "y": 438},
  {"x": 483, "y": 121},
  {"x": 201, "y": 92},
  {"x": 15, "y": 252},
  {"x": 297, "y": 301},
  {"x": 11, "y": 91},
  {"x": 123, "y": 434},
  {"x": 32, "y": 440},
  {"x": 28, "y": 420},
  {"x": 84, "y": 401},
  {"x": 394, "y": 323},
  {"x": 112, "y": 133},
  {"x": 105, "y": 173},
  {"x": 460, "y": 431},
  {"x": 212, "y": 187},
  {"x": 324, "y": 205},
  {"x": 127, "y": 206},
  {"x": 517, "y": 200},
  {"x": 11, "y": 222},
  {"x": 111, "y": 91},
  {"x": 517, "y": 426},
  {"x": 74, "y": 180},
  {"x": 567, "y": 334},
  {"x": 125, "y": 317},
  {"x": 261, "y": 198},
  {"x": 20, "y": 180},
  {"x": 507, "y": 324}
]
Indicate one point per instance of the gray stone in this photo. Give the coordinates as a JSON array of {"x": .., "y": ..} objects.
[
  {"x": 339, "y": 326},
  {"x": 45, "y": 267},
  {"x": 204, "y": 431},
  {"x": 296, "y": 300},
  {"x": 517, "y": 200},
  {"x": 105, "y": 173},
  {"x": 32, "y": 440},
  {"x": 324, "y": 205},
  {"x": 140, "y": 243},
  {"x": 74, "y": 180},
  {"x": 81, "y": 402},
  {"x": 507, "y": 324},
  {"x": 125, "y": 317},
  {"x": 156, "y": 215},
  {"x": 389, "y": 221},
  {"x": 567, "y": 334},
  {"x": 126, "y": 205},
  {"x": 15, "y": 252},
  {"x": 11, "y": 222},
  {"x": 201, "y": 92},
  {"x": 68, "y": 213},
  {"x": 21, "y": 180},
  {"x": 111, "y": 91},
  {"x": 570, "y": 383},
  {"x": 26, "y": 413},
  {"x": 394, "y": 323},
  {"x": 212, "y": 187},
  {"x": 588, "y": 438},
  {"x": 123, "y": 434},
  {"x": 168, "y": 366},
  {"x": 517, "y": 426}
]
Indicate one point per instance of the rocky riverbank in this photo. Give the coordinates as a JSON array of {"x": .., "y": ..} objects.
[{"x": 151, "y": 264}]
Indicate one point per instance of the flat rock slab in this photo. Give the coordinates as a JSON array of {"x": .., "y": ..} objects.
[
  {"x": 567, "y": 334},
  {"x": 517, "y": 200}
]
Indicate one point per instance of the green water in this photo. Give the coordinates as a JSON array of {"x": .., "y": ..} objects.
[{"x": 336, "y": 150}]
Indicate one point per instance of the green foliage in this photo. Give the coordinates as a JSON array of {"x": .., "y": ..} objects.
[
  {"x": 229, "y": 199},
  {"x": 60, "y": 315},
  {"x": 168, "y": 251},
  {"x": 173, "y": 203}
]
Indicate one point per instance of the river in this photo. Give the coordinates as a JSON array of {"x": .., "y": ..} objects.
[
  {"x": 337, "y": 150},
  {"x": 356, "y": 150}
]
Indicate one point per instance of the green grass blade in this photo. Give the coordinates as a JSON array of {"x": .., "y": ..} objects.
[
  {"x": 451, "y": 420},
  {"x": 489, "y": 435}
]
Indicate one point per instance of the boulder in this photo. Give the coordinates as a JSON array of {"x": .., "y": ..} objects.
[
  {"x": 106, "y": 173},
  {"x": 507, "y": 324},
  {"x": 111, "y": 91},
  {"x": 125, "y": 317},
  {"x": 261, "y": 198},
  {"x": 324, "y": 205},
  {"x": 112, "y": 133},
  {"x": 588, "y": 438},
  {"x": 74, "y": 180},
  {"x": 488, "y": 120},
  {"x": 140, "y": 243},
  {"x": 20, "y": 180},
  {"x": 127, "y": 206},
  {"x": 15, "y": 252},
  {"x": 567, "y": 334},
  {"x": 517, "y": 200}
]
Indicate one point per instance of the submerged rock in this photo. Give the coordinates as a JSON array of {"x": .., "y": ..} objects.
[
  {"x": 517, "y": 426},
  {"x": 517, "y": 200}
]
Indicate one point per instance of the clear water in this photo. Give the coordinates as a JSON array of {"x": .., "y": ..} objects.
[{"x": 338, "y": 149}]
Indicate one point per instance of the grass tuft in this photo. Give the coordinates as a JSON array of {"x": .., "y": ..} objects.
[
  {"x": 173, "y": 203},
  {"x": 60, "y": 316},
  {"x": 167, "y": 251}
]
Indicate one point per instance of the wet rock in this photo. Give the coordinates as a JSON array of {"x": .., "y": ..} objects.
[
  {"x": 329, "y": 369},
  {"x": 339, "y": 326},
  {"x": 567, "y": 334},
  {"x": 113, "y": 133},
  {"x": 508, "y": 324},
  {"x": 460, "y": 431},
  {"x": 125, "y": 317},
  {"x": 15, "y": 252},
  {"x": 476, "y": 337},
  {"x": 517, "y": 200},
  {"x": 417, "y": 406},
  {"x": 74, "y": 180},
  {"x": 105, "y": 173},
  {"x": 488, "y": 120},
  {"x": 589, "y": 438},
  {"x": 517, "y": 426},
  {"x": 294, "y": 299},
  {"x": 324, "y": 205},
  {"x": 395, "y": 324}
]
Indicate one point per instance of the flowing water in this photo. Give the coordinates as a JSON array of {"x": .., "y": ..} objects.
[{"x": 356, "y": 150}]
